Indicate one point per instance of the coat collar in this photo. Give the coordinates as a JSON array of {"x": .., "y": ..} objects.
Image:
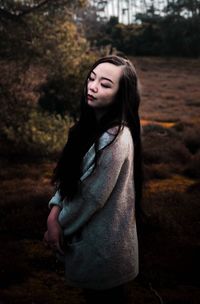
[{"x": 88, "y": 160}]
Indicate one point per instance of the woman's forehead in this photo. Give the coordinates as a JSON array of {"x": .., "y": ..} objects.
[{"x": 108, "y": 70}]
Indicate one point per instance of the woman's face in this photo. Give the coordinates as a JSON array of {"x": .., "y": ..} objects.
[{"x": 103, "y": 84}]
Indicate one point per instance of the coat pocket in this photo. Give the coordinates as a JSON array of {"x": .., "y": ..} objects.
[{"x": 82, "y": 263}]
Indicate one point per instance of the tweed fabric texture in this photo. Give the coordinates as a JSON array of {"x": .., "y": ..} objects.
[{"x": 101, "y": 248}]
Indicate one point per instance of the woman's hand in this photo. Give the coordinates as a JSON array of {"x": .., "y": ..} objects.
[{"x": 53, "y": 237}]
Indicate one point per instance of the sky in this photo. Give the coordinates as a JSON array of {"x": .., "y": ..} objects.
[{"x": 127, "y": 9}]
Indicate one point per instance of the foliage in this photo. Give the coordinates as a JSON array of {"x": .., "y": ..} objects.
[
  {"x": 174, "y": 33},
  {"x": 41, "y": 135},
  {"x": 168, "y": 149},
  {"x": 192, "y": 169},
  {"x": 181, "y": 36},
  {"x": 191, "y": 139},
  {"x": 45, "y": 34},
  {"x": 68, "y": 58},
  {"x": 164, "y": 36},
  {"x": 22, "y": 21},
  {"x": 40, "y": 38},
  {"x": 186, "y": 7}
]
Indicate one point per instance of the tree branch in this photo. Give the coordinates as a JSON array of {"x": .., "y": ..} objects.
[
  {"x": 16, "y": 15},
  {"x": 29, "y": 10}
]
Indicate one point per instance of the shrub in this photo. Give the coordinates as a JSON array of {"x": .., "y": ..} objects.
[
  {"x": 61, "y": 92},
  {"x": 179, "y": 127},
  {"x": 156, "y": 171},
  {"x": 192, "y": 139},
  {"x": 192, "y": 169},
  {"x": 194, "y": 188},
  {"x": 41, "y": 135},
  {"x": 164, "y": 149},
  {"x": 153, "y": 128},
  {"x": 175, "y": 212}
]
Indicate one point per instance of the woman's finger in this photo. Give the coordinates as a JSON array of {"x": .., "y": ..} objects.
[
  {"x": 59, "y": 249},
  {"x": 46, "y": 238}
]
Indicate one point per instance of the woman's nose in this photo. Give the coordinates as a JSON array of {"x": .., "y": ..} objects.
[{"x": 93, "y": 87}]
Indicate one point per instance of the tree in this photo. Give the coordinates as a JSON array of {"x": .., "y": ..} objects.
[
  {"x": 39, "y": 37},
  {"x": 20, "y": 22},
  {"x": 187, "y": 8}
]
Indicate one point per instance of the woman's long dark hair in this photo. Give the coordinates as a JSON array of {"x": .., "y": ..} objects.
[{"x": 123, "y": 111}]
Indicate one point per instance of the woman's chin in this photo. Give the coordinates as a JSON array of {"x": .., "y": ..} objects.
[{"x": 92, "y": 104}]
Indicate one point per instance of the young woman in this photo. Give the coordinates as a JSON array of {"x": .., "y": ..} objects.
[{"x": 92, "y": 222}]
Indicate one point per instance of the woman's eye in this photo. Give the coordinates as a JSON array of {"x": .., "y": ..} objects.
[
  {"x": 105, "y": 85},
  {"x": 90, "y": 78}
]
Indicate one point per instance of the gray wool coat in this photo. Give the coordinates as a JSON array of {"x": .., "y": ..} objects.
[{"x": 99, "y": 224}]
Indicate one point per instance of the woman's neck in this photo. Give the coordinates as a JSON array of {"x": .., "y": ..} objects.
[{"x": 99, "y": 114}]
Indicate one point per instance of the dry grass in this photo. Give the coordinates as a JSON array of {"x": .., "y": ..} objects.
[
  {"x": 191, "y": 138},
  {"x": 169, "y": 241},
  {"x": 193, "y": 168},
  {"x": 170, "y": 89},
  {"x": 172, "y": 184}
]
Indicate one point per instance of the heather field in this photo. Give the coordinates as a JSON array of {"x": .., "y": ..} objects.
[{"x": 169, "y": 239}]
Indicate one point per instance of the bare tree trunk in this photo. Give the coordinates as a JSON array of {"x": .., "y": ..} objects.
[
  {"x": 118, "y": 9},
  {"x": 113, "y": 8},
  {"x": 128, "y": 10}
]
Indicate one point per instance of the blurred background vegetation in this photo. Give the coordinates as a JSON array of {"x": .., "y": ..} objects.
[{"x": 47, "y": 47}]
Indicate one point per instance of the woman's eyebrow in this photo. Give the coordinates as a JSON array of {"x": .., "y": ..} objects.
[{"x": 103, "y": 78}]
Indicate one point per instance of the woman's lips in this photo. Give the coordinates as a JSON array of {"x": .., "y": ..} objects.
[{"x": 90, "y": 97}]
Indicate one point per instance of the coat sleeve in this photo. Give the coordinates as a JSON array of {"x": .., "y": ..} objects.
[
  {"x": 56, "y": 200},
  {"x": 97, "y": 187}
]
